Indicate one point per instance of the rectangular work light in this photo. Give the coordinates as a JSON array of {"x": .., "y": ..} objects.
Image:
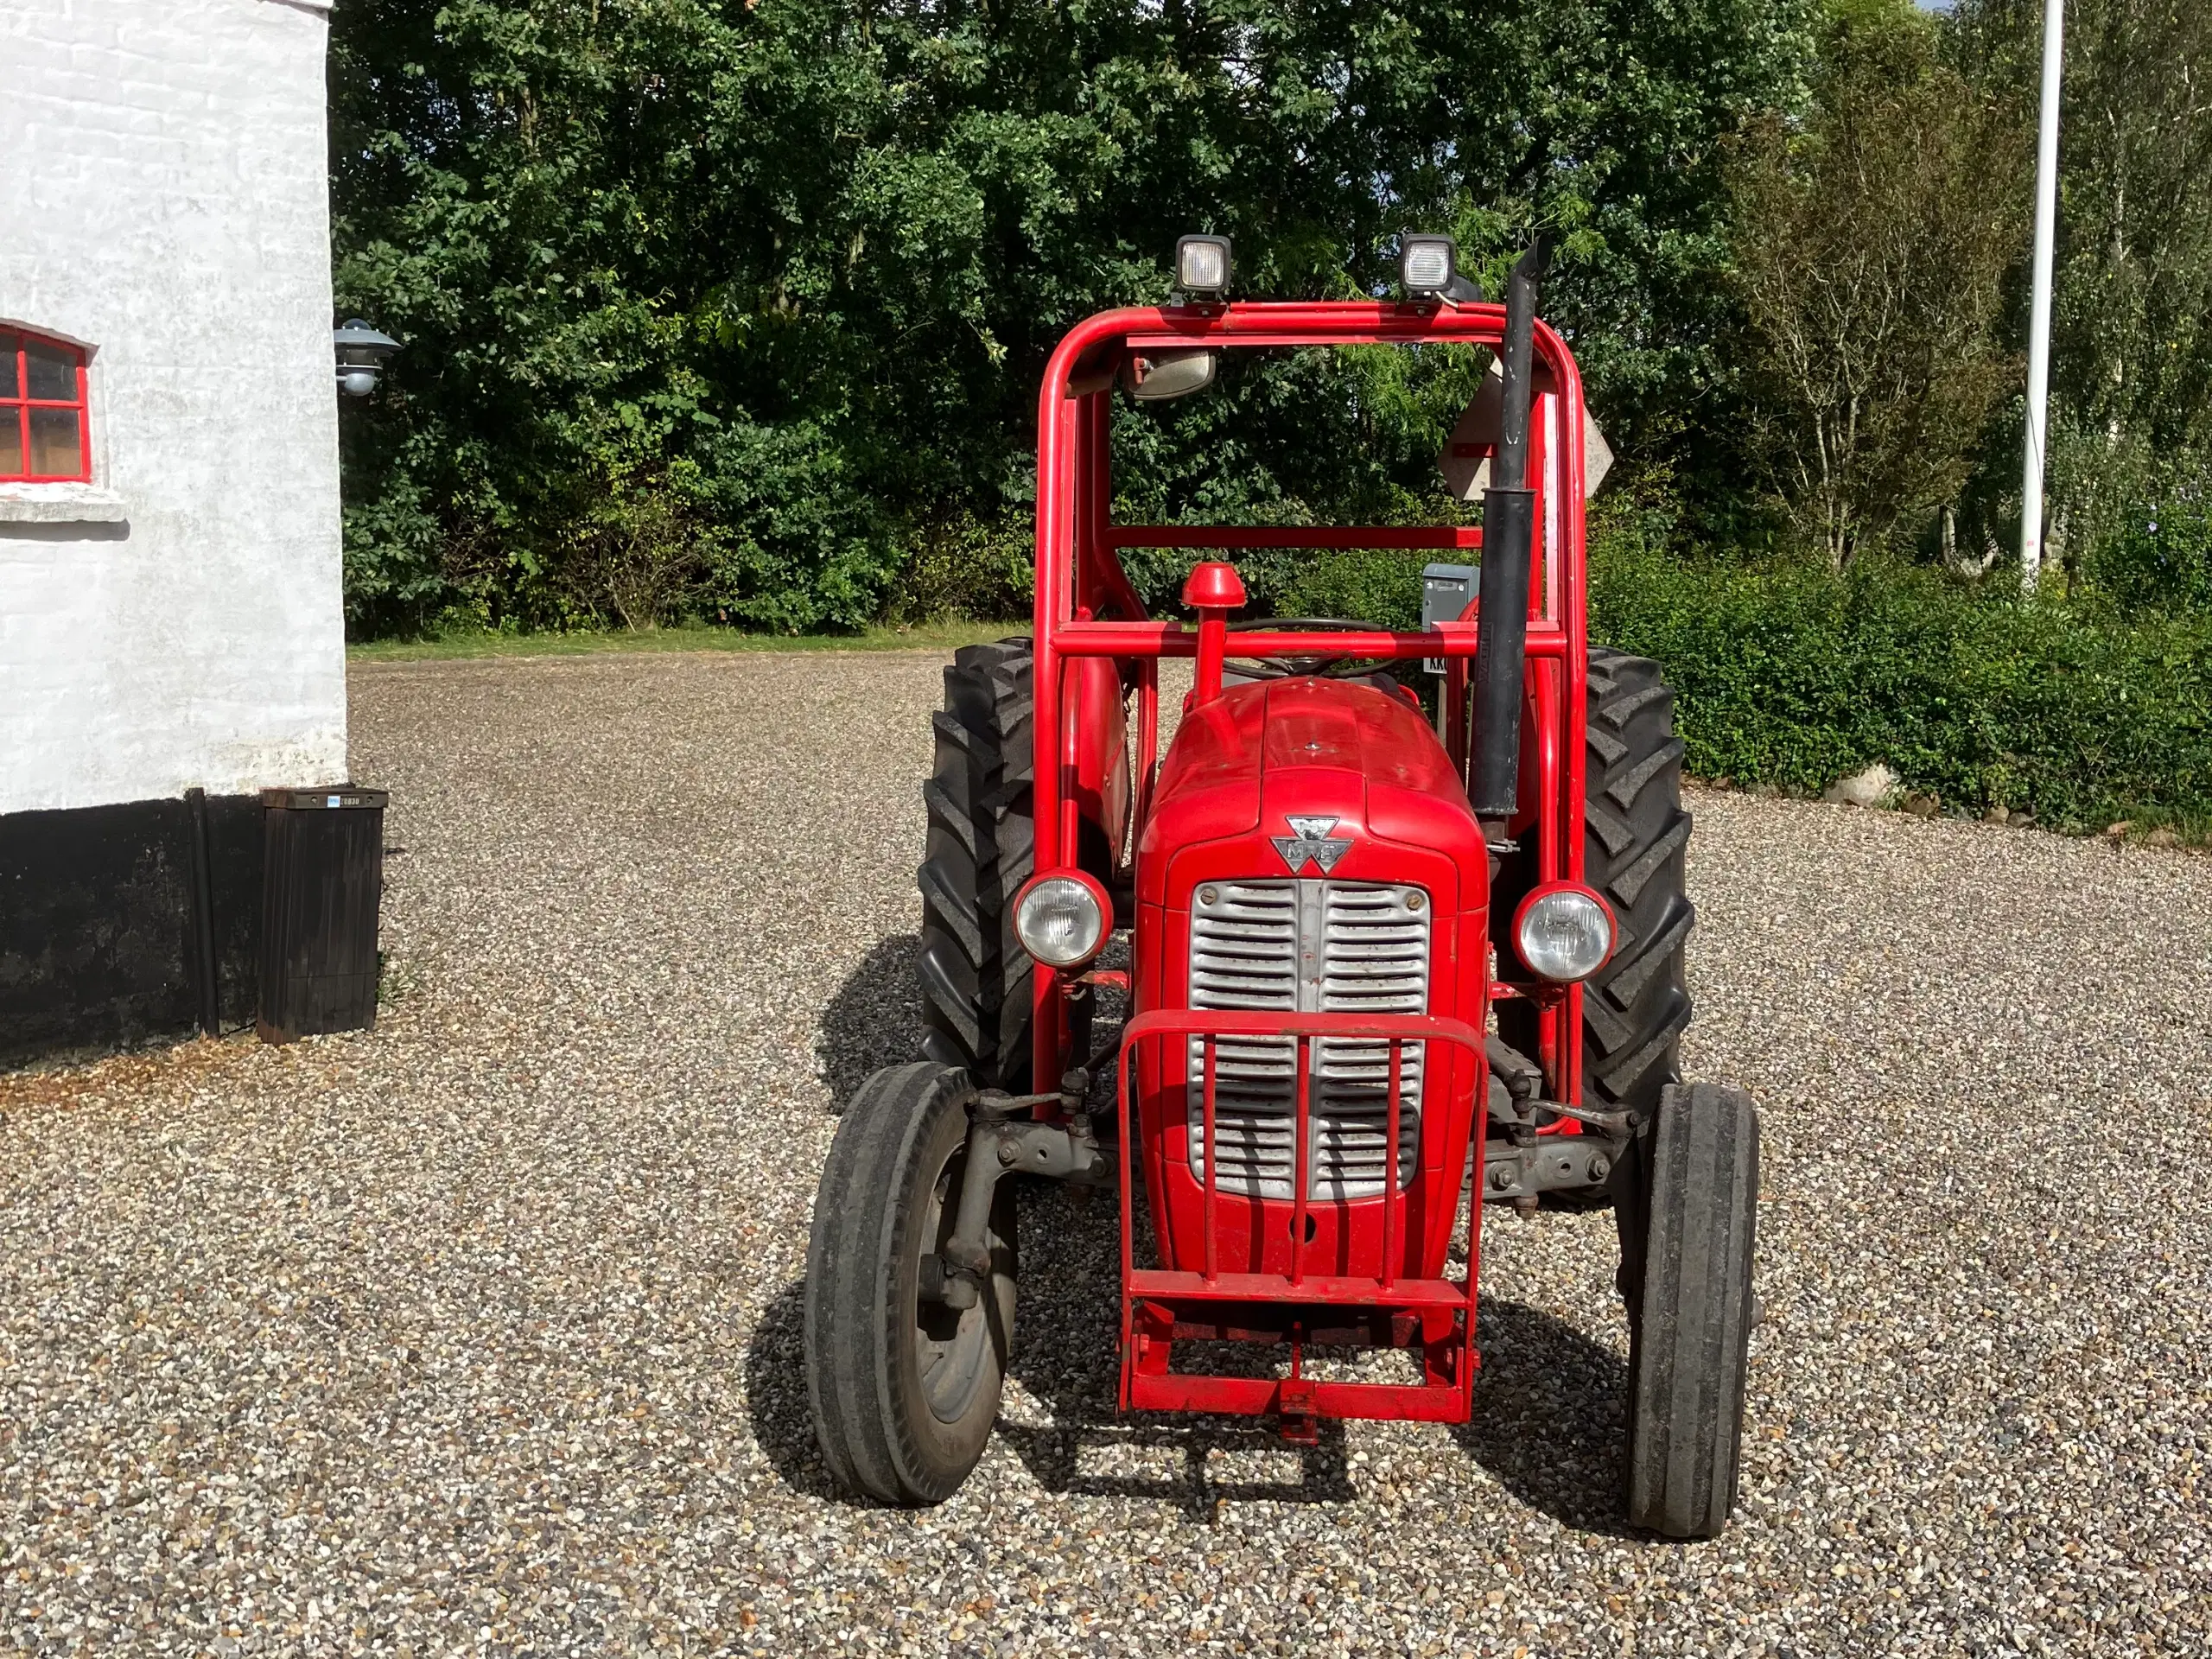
[
  {"x": 1202, "y": 266},
  {"x": 1426, "y": 266}
]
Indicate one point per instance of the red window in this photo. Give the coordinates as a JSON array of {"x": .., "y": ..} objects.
[{"x": 45, "y": 434}]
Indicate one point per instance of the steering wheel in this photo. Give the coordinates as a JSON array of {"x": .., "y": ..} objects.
[{"x": 1286, "y": 667}]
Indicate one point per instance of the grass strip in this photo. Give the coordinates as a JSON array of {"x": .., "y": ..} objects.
[{"x": 931, "y": 636}]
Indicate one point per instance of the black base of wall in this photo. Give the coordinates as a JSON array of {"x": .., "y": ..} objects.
[{"x": 99, "y": 948}]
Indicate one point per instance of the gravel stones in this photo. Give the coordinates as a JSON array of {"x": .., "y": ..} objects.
[{"x": 479, "y": 1332}]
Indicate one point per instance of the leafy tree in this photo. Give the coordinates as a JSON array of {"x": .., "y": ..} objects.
[
  {"x": 795, "y": 266},
  {"x": 2130, "y": 385},
  {"x": 1871, "y": 243}
]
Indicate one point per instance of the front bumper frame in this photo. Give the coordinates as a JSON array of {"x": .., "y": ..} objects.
[{"x": 1160, "y": 1306}]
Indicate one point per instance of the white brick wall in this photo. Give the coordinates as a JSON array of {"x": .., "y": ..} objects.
[{"x": 164, "y": 201}]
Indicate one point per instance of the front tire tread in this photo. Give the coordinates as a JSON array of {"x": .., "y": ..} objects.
[
  {"x": 891, "y": 1141},
  {"x": 1693, "y": 1312}
]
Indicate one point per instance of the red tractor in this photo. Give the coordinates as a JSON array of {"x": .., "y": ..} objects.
[{"x": 1383, "y": 972}]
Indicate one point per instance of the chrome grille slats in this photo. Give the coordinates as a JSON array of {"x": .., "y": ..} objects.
[
  {"x": 1247, "y": 955},
  {"x": 1308, "y": 945}
]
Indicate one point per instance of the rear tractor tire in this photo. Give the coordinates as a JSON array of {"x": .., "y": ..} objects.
[
  {"x": 1690, "y": 1317},
  {"x": 976, "y": 977},
  {"x": 1634, "y": 835},
  {"x": 1634, "y": 831},
  {"x": 976, "y": 981},
  {"x": 904, "y": 1387}
]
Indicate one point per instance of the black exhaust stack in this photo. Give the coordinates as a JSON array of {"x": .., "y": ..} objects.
[{"x": 1509, "y": 543}]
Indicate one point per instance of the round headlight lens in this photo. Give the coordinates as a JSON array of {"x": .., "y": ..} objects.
[
  {"x": 1060, "y": 922},
  {"x": 1565, "y": 934}
]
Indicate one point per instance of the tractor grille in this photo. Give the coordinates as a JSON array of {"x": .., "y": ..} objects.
[{"x": 1333, "y": 947}]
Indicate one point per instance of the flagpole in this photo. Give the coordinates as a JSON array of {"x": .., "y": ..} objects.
[{"x": 2039, "y": 432}]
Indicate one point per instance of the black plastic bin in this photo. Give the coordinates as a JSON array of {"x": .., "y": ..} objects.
[{"x": 322, "y": 887}]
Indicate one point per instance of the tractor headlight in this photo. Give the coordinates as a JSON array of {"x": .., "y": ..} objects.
[
  {"x": 1202, "y": 266},
  {"x": 1564, "y": 932},
  {"x": 1426, "y": 265},
  {"x": 1061, "y": 919}
]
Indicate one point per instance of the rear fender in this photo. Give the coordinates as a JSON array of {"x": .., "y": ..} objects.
[{"x": 1102, "y": 755}]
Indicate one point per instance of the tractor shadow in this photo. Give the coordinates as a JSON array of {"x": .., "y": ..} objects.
[
  {"x": 775, "y": 1397},
  {"x": 874, "y": 1020},
  {"x": 1175, "y": 1463},
  {"x": 1549, "y": 1416},
  {"x": 1547, "y": 1423},
  {"x": 1549, "y": 1401},
  {"x": 1065, "y": 1360}
]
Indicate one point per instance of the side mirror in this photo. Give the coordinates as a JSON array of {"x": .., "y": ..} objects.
[{"x": 1168, "y": 374}]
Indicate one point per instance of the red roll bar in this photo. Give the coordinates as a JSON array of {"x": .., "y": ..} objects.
[{"x": 1086, "y": 607}]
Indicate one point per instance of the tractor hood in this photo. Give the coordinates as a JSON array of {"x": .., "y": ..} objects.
[{"x": 1310, "y": 777}]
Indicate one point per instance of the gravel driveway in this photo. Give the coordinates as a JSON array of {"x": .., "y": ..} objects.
[{"x": 481, "y": 1332}]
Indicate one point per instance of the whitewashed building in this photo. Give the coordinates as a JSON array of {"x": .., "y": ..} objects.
[{"x": 170, "y": 609}]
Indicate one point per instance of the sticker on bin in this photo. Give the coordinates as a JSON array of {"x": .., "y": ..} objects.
[{"x": 333, "y": 800}]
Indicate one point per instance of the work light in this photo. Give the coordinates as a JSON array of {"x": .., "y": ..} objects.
[
  {"x": 1202, "y": 266},
  {"x": 1564, "y": 932},
  {"x": 1061, "y": 919},
  {"x": 1426, "y": 265}
]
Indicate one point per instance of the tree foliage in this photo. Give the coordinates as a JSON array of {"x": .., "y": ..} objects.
[
  {"x": 2131, "y": 382},
  {"x": 754, "y": 296},
  {"x": 1873, "y": 240}
]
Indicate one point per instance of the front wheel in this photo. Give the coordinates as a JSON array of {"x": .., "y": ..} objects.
[
  {"x": 1691, "y": 1309},
  {"x": 904, "y": 1387}
]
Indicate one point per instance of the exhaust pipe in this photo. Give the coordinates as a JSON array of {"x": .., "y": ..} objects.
[{"x": 1509, "y": 543}]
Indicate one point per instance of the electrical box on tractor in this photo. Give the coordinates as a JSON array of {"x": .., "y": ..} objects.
[{"x": 1383, "y": 973}]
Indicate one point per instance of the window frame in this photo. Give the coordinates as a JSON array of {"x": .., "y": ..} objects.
[{"x": 18, "y": 409}]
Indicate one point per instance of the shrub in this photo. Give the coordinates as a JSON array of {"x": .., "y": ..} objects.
[
  {"x": 2159, "y": 554},
  {"x": 820, "y": 251},
  {"x": 962, "y": 571},
  {"x": 1378, "y": 585},
  {"x": 394, "y": 550},
  {"x": 1792, "y": 677},
  {"x": 638, "y": 554}
]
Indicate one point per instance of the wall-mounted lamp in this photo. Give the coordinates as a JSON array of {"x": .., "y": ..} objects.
[{"x": 361, "y": 352}]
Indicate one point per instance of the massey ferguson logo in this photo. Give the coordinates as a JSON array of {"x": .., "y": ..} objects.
[{"x": 1312, "y": 844}]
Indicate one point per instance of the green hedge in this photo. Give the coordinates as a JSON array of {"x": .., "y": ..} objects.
[{"x": 1791, "y": 677}]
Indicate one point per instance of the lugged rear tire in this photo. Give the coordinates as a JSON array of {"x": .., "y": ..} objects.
[
  {"x": 1635, "y": 830},
  {"x": 1634, "y": 836},
  {"x": 982, "y": 845},
  {"x": 1690, "y": 1322}
]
